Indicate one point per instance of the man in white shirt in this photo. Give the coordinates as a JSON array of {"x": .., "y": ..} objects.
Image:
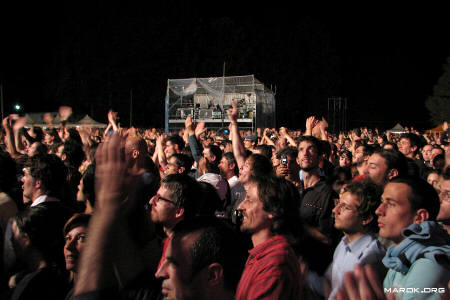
[
  {"x": 229, "y": 171},
  {"x": 355, "y": 217}
]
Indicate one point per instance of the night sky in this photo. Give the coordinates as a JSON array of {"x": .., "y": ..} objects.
[{"x": 91, "y": 57}]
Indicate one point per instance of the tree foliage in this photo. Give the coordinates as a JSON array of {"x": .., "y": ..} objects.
[{"x": 439, "y": 103}]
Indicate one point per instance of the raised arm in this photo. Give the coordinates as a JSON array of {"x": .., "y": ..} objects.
[
  {"x": 193, "y": 136},
  {"x": 285, "y": 133},
  {"x": 112, "y": 119},
  {"x": 17, "y": 128},
  {"x": 95, "y": 270},
  {"x": 236, "y": 141},
  {"x": 162, "y": 160},
  {"x": 10, "y": 145}
]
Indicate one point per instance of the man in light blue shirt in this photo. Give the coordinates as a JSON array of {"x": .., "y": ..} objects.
[
  {"x": 355, "y": 217},
  {"x": 419, "y": 260}
]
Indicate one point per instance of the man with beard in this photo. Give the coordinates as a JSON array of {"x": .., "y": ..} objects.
[
  {"x": 270, "y": 216},
  {"x": 317, "y": 203}
]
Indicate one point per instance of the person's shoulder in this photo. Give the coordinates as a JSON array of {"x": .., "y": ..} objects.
[
  {"x": 373, "y": 253},
  {"x": 423, "y": 272},
  {"x": 323, "y": 186},
  {"x": 425, "y": 265}
]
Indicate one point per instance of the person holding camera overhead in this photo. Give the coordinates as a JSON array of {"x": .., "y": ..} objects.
[{"x": 288, "y": 167}]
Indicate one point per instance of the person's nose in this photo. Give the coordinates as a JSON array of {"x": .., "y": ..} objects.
[
  {"x": 162, "y": 271},
  {"x": 380, "y": 209},
  {"x": 152, "y": 200},
  {"x": 70, "y": 244}
]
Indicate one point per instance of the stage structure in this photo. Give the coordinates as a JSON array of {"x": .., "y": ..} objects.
[{"x": 207, "y": 99}]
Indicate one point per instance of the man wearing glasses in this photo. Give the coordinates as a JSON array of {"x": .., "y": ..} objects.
[
  {"x": 173, "y": 202},
  {"x": 355, "y": 217}
]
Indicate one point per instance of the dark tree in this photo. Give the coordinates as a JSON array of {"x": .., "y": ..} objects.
[{"x": 439, "y": 103}]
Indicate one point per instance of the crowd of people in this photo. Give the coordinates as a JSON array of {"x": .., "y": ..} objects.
[{"x": 126, "y": 213}]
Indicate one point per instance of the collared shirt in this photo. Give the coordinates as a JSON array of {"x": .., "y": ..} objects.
[
  {"x": 365, "y": 250},
  {"x": 237, "y": 191},
  {"x": 271, "y": 272},
  {"x": 233, "y": 181},
  {"x": 42, "y": 199}
]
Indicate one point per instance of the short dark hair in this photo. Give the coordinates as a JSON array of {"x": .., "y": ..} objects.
[
  {"x": 183, "y": 160},
  {"x": 185, "y": 191},
  {"x": 394, "y": 160},
  {"x": 422, "y": 195},
  {"x": 262, "y": 166},
  {"x": 43, "y": 229},
  {"x": 208, "y": 201},
  {"x": 281, "y": 199},
  {"x": 50, "y": 170},
  {"x": 41, "y": 148},
  {"x": 290, "y": 151},
  {"x": 312, "y": 140},
  {"x": 229, "y": 156},
  {"x": 369, "y": 198},
  {"x": 368, "y": 149},
  {"x": 74, "y": 153},
  {"x": 215, "y": 150},
  {"x": 413, "y": 139},
  {"x": 76, "y": 220},
  {"x": 346, "y": 153},
  {"x": 265, "y": 150},
  {"x": 175, "y": 139},
  {"x": 217, "y": 243}
]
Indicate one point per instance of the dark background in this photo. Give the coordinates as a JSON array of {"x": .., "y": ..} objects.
[{"x": 90, "y": 57}]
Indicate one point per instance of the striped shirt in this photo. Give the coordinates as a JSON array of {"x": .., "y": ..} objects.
[{"x": 271, "y": 272}]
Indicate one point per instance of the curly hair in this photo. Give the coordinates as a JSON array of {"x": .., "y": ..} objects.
[{"x": 369, "y": 198}]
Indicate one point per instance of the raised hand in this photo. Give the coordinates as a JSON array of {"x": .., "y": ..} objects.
[
  {"x": 112, "y": 116},
  {"x": 6, "y": 123},
  {"x": 111, "y": 174},
  {"x": 20, "y": 122},
  {"x": 233, "y": 112},
  {"x": 188, "y": 122},
  {"x": 283, "y": 131},
  {"x": 199, "y": 129}
]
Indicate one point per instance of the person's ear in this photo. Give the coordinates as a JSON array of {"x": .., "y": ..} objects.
[
  {"x": 181, "y": 170},
  {"x": 392, "y": 173},
  {"x": 367, "y": 221},
  {"x": 215, "y": 274},
  {"x": 38, "y": 184},
  {"x": 135, "y": 154},
  {"x": 179, "y": 212},
  {"x": 422, "y": 215}
]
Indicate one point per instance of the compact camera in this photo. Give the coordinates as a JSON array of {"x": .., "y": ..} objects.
[{"x": 284, "y": 160}]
